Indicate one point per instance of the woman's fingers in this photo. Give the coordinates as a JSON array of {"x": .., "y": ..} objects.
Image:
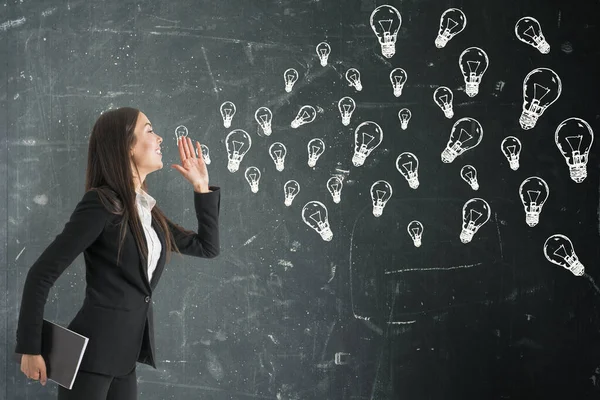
[
  {"x": 180, "y": 148},
  {"x": 186, "y": 148}
]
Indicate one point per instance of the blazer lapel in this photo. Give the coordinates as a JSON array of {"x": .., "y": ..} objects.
[
  {"x": 161, "y": 259},
  {"x": 144, "y": 267}
]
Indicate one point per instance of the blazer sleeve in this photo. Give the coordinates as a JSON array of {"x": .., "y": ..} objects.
[
  {"x": 205, "y": 243},
  {"x": 84, "y": 226}
]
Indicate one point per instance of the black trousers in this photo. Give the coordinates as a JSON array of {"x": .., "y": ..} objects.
[{"x": 94, "y": 386}]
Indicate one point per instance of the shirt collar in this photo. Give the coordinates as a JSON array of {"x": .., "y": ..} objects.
[{"x": 144, "y": 199}]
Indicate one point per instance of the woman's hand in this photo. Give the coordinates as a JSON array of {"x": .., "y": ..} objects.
[
  {"x": 34, "y": 366},
  {"x": 192, "y": 168}
]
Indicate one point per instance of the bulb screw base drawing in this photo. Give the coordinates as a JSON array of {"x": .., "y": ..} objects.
[
  {"x": 233, "y": 165},
  {"x": 413, "y": 182},
  {"x": 358, "y": 159},
  {"x": 326, "y": 234},
  {"x": 527, "y": 120},
  {"x": 388, "y": 49},
  {"x": 576, "y": 268},
  {"x": 578, "y": 172},
  {"x": 448, "y": 155},
  {"x": 441, "y": 41},
  {"x": 532, "y": 218},
  {"x": 377, "y": 211},
  {"x": 448, "y": 111},
  {"x": 417, "y": 242},
  {"x": 514, "y": 164},
  {"x": 466, "y": 235},
  {"x": 471, "y": 89},
  {"x": 543, "y": 47}
]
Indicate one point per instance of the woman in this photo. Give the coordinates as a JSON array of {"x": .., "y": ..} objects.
[{"x": 126, "y": 240}]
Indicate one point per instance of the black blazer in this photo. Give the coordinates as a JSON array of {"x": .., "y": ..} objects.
[{"x": 116, "y": 314}]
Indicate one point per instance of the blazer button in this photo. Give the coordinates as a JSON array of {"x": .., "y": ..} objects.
[{"x": 147, "y": 299}]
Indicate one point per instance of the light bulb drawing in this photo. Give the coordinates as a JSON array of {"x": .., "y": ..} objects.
[
  {"x": 367, "y": 136},
  {"x": 466, "y": 134},
  {"x": 180, "y": 132},
  {"x": 290, "y": 76},
  {"x": 277, "y": 151},
  {"x": 558, "y": 249},
  {"x": 511, "y": 148},
  {"x": 353, "y": 78},
  {"x": 315, "y": 147},
  {"x": 408, "y": 165},
  {"x": 238, "y": 142},
  {"x": 452, "y": 22},
  {"x": 404, "y": 116},
  {"x": 469, "y": 174},
  {"x": 574, "y": 138},
  {"x": 305, "y": 115},
  {"x": 473, "y": 63},
  {"x": 290, "y": 189},
  {"x": 314, "y": 214},
  {"x": 415, "y": 230},
  {"x": 398, "y": 77},
  {"x": 385, "y": 21},
  {"x": 264, "y": 117},
  {"x": 227, "y": 112},
  {"x": 533, "y": 192},
  {"x": 323, "y": 50},
  {"x": 335, "y": 186},
  {"x": 541, "y": 88},
  {"x": 528, "y": 30},
  {"x": 346, "y": 105},
  {"x": 442, "y": 96},
  {"x": 205, "y": 154},
  {"x": 252, "y": 175},
  {"x": 475, "y": 213},
  {"x": 381, "y": 192}
]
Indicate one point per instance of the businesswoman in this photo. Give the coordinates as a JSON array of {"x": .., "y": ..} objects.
[{"x": 126, "y": 241}]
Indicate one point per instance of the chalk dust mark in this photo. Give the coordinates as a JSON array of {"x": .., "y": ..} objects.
[
  {"x": 212, "y": 77},
  {"x": 433, "y": 269},
  {"x": 589, "y": 278},
  {"x": 350, "y": 266}
]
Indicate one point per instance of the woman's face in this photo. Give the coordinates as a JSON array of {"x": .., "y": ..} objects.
[{"x": 146, "y": 152}]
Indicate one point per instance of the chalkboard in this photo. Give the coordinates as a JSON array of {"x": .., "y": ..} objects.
[{"x": 293, "y": 311}]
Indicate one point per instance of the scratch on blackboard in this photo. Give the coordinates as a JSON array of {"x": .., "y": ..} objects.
[
  {"x": 21, "y": 252},
  {"x": 247, "y": 242},
  {"x": 592, "y": 282},
  {"x": 499, "y": 237},
  {"x": 433, "y": 269},
  {"x": 386, "y": 62},
  {"x": 332, "y": 275},
  {"x": 248, "y": 50},
  {"x": 352, "y": 306},
  {"x": 295, "y": 246},
  {"x": 327, "y": 340},
  {"x": 401, "y": 322},
  {"x": 285, "y": 263},
  {"x": 11, "y": 24},
  {"x": 212, "y": 78},
  {"x": 49, "y": 11}
]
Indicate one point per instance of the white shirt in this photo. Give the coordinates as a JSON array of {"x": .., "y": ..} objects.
[{"x": 144, "y": 203}]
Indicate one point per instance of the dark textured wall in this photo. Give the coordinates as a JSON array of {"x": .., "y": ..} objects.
[{"x": 283, "y": 313}]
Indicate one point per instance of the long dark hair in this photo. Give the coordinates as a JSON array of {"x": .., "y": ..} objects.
[{"x": 109, "y": 174}]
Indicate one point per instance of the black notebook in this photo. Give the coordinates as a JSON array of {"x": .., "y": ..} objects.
[{"x": 62, "y": 350}]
